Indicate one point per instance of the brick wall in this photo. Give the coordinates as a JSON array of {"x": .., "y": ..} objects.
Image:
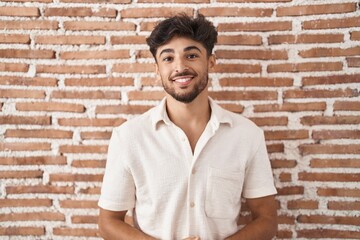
[{"x": 71, "y": 70}]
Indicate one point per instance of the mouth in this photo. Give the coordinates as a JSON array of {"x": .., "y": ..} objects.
[{"x": 183, "y": 80}]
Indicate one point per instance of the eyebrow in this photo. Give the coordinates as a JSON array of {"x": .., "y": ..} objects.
[{"x": 170, "y": 50}]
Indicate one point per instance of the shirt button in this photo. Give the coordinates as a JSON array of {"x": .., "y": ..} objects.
[
  {"x": 193, "y": 171},
  {"x": 183, "y": 139},
  {"x": 192, "y": 204}
]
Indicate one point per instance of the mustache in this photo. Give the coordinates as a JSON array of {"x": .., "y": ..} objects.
[{"x": 183, "y": 73}]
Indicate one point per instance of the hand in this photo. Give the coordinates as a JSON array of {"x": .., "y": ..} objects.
[{"x": 192, "y": 238}]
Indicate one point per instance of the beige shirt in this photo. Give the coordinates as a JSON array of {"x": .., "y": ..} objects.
[{"x": 177, "y": 193}]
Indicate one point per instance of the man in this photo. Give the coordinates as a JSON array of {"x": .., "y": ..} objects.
[{"x": 183, "y": 166}]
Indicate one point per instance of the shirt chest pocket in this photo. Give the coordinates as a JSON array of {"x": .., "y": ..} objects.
[{"x": 223, "y": 193}]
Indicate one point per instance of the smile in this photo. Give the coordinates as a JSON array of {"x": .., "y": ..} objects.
[{"x": 183, "y": 79}]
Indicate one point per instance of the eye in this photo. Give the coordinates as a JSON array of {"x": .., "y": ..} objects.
[
  {"x": 192, "y": 56},
  {"x": 167, "y": 59}
]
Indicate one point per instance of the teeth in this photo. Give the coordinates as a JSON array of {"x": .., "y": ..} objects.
[{"x": 182, "y": 80}]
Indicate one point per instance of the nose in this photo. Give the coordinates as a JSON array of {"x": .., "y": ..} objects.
[{"x": 180, "y": 66}]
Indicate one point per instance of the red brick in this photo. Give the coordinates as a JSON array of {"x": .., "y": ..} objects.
[
  {"x": 78, "y": 204},
  {"x": 255, "y": 26},
  {"x": 128, "y": 40},
  {"x": 237, "y": 68},
  {"x": 322, "y": 120},
  {"x": 255, "y": 1},
  {"x": 236, "y": 12},
  {"x": 329, "y": 52},
  {"x": 40, "y": 1},
  {"x": 236, "y": 108},
  {"x": 280, "y": 234},
  {"x": 303, "y": 204},
  {"x": 74, "y": 69},
  {"x": 328, "y": 233},
  {"x": 335, "y": 163},
  {"x": 291, "y": 107},
  {"x": 68, "y": 177},
  {"x": 88, "y": 163},
  {"x": 32, "y": 216},
  {"x": 270, "y": 121},
  {"x": 15, "y": 38},
  {"x": 252, "y": 54},
  {"x": 125, "y": 109},
  {"x": 63, "y": 231},
  {"x": 355, "y": 35},
  {"x": 330, "y": 80},
  {"x": 149, "y": 81},
  {"x": 286, "y": 134},
  {"x": 38, "y": 133},
  {"x": 19, "y": 146},
  {"x": 146, "y": 95},
  {"x": 21, "y": 174},
  {"x": 285, "y": 177},
  {"x": 305, "y": 38},
  {"x": 22, "y": 231},
  {"x": 315, "y": 9},
  {"x": 244, "y": 95},
  {"x": 134, "y": 67},
  {"x": 154, "y": 12},
  {"x": 346, "y": 106},
  {"x": 14, "y": 67},
  {"x": 17, "y": 93},
  {"x": 345, "y": 220},
  {"x": 91, "y": 190},
  {"x": 280, "y": 163},
  {"x": 95, "y": 135},
  {"x": 96, "y": 1},
  {"x": 27, "y": 81},
  {"x": 99, "y": 94},
  {"x": 315, "y": 93},
  {"x": 70, "y": 40},
  {"x": 344, "y": 205},
  {"x": 97, "y": 82},
  {"x": 107, "y": 54},
  {"x": 174, "y": 1},
  {"x": 50, "y": 107},
  {"x": 91, "y": 122},
  {"x": 25, "y": 203},
  {"x": 147, "y": 26},
  {"x": 143, "y": 54},
  {"x": 332, "y": 23},
  {"x": 260, "y": 81},
  {"x": 30, "y": 54},
  {"x": 99, "y": 26},
  {"x": 307, "y": 149},
  {"x": 39, "y": 189},
  {"x": 294, "y": 190},
  {"x": 25, "y": 120},
  {"x": 68, "y": 12},
  {"x": 305, "y": 67},
  {"x": 353, "y": 62},
  {"x": 339, "y": 192},
  {"x": 253, "y": 40},
  {"x": 275, "y": 148},
  {"x": 41, "y": 160},
  {"x": 19, "y": 11},
  {"x": 336, "y": 134},
  {"x": 105, "y": 12},
  {"x": 83, "y": 149},
  {"x": 84, "y": 219},
  {"x": 29, "y": 25}
]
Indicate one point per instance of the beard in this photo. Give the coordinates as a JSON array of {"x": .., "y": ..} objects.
[{"x": 189, "y": 96}]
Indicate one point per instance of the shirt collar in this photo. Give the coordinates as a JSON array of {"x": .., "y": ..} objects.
[{"x": 218, "y": 115}]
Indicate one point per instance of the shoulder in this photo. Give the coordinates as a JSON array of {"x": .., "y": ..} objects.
[
  {"x": 242, "y": 123},
  {"x": 136, "y": 124}
]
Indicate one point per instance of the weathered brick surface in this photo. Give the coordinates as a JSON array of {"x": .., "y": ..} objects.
[{"x": 71, "y": 70}]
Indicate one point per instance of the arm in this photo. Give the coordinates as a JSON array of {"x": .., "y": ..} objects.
[
  {"x": 112, "y": 226},
  {"x": 264, "y": 220}
]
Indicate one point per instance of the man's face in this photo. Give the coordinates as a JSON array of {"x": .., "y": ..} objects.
[{"x": 183, "y": 66}]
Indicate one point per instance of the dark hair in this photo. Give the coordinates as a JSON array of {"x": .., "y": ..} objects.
[{"x": 198, "y": 29}]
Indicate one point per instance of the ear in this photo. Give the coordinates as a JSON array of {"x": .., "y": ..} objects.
[
  {"x": 211, "y": 62},
  {"x": 158, "y": 76}
]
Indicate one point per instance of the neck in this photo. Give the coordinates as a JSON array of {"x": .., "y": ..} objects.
[{"x": 186, "y": 114}]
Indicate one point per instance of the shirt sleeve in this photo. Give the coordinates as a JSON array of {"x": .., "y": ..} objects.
[
  {"x": 259, "y": 180},
  {"x": 118, "y": 188}
]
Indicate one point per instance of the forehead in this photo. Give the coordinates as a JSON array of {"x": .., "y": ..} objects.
[{"x": 180, "y": 44}]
